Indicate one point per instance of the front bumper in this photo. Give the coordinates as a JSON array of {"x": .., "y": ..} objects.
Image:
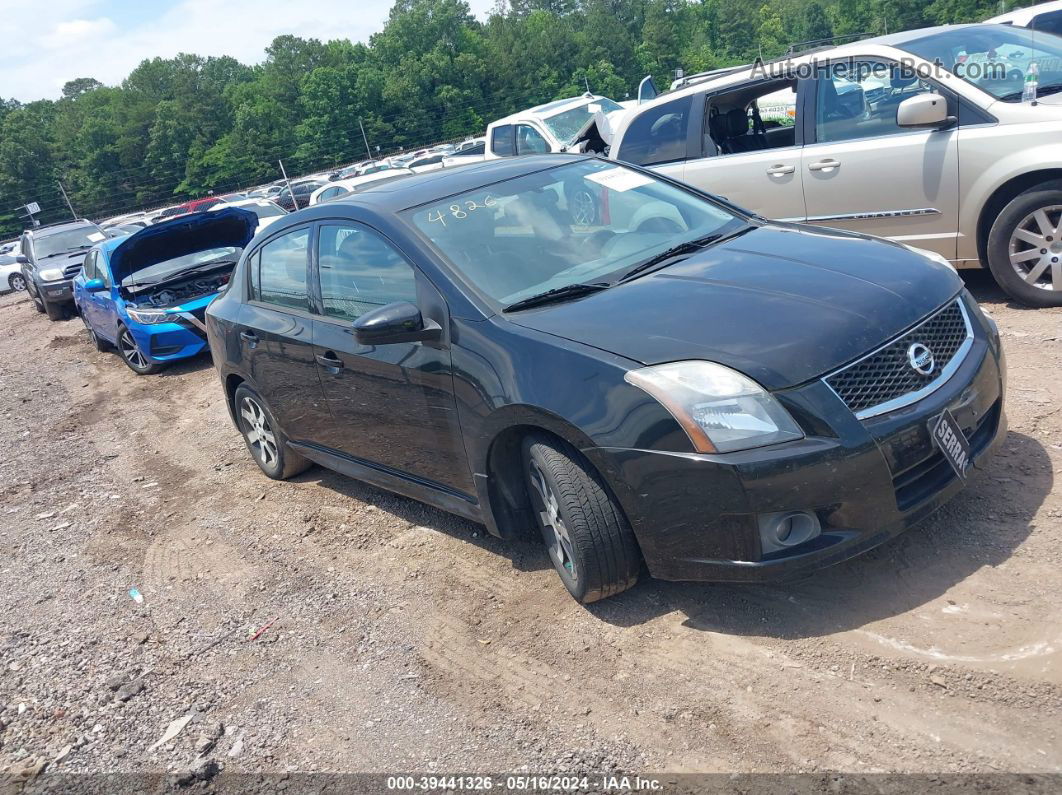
[
  {"x": 166, "y": 342},
  {"x": 56, "y": 292},
  {"x": 695, "y": 515}
]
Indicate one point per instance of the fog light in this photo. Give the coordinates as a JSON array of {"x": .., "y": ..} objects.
[{"x": 787, "y": 529}]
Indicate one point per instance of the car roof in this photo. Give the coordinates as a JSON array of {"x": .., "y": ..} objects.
[
  {"x": 44, "y": 231},
  {"x": 412, "y": 191}
]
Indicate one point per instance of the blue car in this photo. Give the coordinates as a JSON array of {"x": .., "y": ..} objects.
[{"x": 147, "y": 294}]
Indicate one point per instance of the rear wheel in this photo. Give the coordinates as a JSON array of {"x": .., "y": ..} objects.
[
  {"x": 265, "y": 441},
  {"x": 17, "y": 282},
  {"x": 98, "y": 343},
  {"x": 587, "y": 537},
  {"x": 1025, "y": 247},
  {"x": 582, "y": 206},
  {"x": 131, "y": 354}
]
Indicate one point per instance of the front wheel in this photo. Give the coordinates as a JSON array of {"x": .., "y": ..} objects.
[
  {"x": 55, "y": 311},
  {"x": 17, "y": 282},
  {"x": 1025, "y": 247},
  {"x": 38, "y": 302},
  {"x": 264, "y": 439},
  {"x": 131, "y": 354},
  {"x": 587, "y": 537}
]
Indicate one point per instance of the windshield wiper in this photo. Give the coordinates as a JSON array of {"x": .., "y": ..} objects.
[
  {"x": 1041, "y": 91},
  {"x": 667, "y": 256},
  {"x": 558, "y": 294}
]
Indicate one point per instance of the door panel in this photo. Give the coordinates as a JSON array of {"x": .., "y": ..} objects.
[
  {"x": 866, "y": 173},
  {"x": 767, "y": 182},
  {"x": 276, "y": 337},
  {"x": 393, "y": 404}
]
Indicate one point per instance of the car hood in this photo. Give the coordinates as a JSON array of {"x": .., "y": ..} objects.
[
  {"x": 781, "y": 303},
  {"x": 181, "y": 236}
]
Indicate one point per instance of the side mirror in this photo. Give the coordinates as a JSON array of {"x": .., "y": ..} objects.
[
  {"x": 398, "y": 322},
  {"x": 21, "y": 259},
  {"x": 924, "y": 110},
  {"x": 95, "y": 286}
]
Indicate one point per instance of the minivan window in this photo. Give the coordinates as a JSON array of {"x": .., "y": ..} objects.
[
  {"x": 282, "y": 270},
  {"x": 658, "y": 135},
  {"x": 859, "y": 100},
  {"x": 360, "y": 271}
]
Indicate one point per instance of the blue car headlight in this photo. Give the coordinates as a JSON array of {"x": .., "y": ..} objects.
[{"x": 150, "y": 317}]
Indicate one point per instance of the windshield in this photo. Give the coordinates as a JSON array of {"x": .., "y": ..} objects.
[
  {"x": 995, "y": 58},
  {"x": 589, "y": 221},
  {"x": 565, "y": 126},
  {"x": 63, "y": 242},
  {"x": 162, "y": 270}
]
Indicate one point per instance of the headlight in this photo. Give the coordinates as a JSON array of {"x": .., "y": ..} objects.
[
  {"x": 150, "y": 316},
  {"x": 720, "y": 409},
  {"x": 938, "y": 258},
  {"x": 52, "y": 274}
]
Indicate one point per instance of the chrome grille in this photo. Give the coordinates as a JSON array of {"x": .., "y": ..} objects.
[{"x": 885, "y": 379}]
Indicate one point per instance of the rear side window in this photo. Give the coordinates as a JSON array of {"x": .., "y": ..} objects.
[
  {"x": 658, "y": 135},
  {"x": 1050, "y": 22},
  {"x": 501, "y": 140},
  {"x": 282, "y": 271}
]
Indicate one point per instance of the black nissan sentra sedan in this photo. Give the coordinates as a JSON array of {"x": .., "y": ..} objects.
[{"x": 681, "y": 385}]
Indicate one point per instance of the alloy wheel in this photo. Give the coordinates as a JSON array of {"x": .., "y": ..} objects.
[
  {"x": 554, "y": 530},
  {"x": 130, "y": 350},
  {"x": 1035, "y": 248},
  {"x": 259, "y": 434},
  {"x": 17, "y": 282},
  {"x": 583, "y": 207}
]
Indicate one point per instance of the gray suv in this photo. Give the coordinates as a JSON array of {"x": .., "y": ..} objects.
[
  {"x": 50, "y": 256},
  {"x": 927, "y": 137}
]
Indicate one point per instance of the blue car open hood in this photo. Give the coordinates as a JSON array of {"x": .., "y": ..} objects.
[{"x": 180, "y": 237}]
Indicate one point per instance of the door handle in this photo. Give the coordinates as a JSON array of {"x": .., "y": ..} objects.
[
  {"x": 330, "y": 362},
  {"x": 780, "y": 170},
  {"x": 249, "y": 337},
  {"x": 825, "y": 165}
]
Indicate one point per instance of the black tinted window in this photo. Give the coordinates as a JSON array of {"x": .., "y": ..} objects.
[
  {"x": 658, "y": 135},
  {"x": 360, "y": 271},
  {"x": 282, "y": 271},
  {"x": 1048, "y": 23},
  {"x": 501, "y": 140}
]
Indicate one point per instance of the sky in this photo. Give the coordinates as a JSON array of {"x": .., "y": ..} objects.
[{"x": 45, "y": 43}]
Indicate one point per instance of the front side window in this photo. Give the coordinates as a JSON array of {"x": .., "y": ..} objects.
[
  {"x": 360, "y": 271},
  {"x": 658, "y": 135},
  {"x": 533, "y": 233},
  {"x": 529, "y": 141},
  {"x": 501, "y": 140},
  {"x": 282, "y": 271},
  {"x": 859, "y": 99},
  {"x": 995, "y": 58}
]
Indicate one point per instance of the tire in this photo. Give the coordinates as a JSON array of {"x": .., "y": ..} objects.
[
  {"x": 583, "y": 206},
  {"x": 17, "y": 282},
  {"x": 38, "y": 302},
  {"x": 133, "y": 356},
  {"x": 1019, "y": 232},
  {"x": 55, "y": 311},
  {"x": 588, "y": 539},
  {"x": 266, "y": 443},
  {"x": 98, "y": 343}
]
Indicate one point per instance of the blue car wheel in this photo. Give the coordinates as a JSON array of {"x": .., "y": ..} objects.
[
  {"x": 131, "y": 354},
  {"x": 99, "y": 344}
]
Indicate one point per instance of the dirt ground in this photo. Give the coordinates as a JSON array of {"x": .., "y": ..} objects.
[{"x": 405, "y": 639}]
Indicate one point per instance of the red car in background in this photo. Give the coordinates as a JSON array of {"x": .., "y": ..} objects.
[{"x": 193, "y": 206}]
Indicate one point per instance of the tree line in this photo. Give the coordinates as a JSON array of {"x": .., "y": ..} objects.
[{"x": 179, "y": 127}]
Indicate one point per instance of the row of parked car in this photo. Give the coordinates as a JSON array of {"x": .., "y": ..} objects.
[{"x": 590, "y": 340}]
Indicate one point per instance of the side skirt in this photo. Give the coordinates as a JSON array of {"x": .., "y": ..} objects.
[{"x": 419, "y": 489}]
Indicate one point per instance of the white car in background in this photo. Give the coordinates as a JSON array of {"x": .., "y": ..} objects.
[
  {"x": 471, "y": 151},
  {"x": 345, "y": 187},
  {"x": 1046, "y": 17},
  {"x": 552, "y": 127},
  {"x": 11, "y": 278},
  {"x": 428, "y": 163},
  {"x": 266, "y": 210}
]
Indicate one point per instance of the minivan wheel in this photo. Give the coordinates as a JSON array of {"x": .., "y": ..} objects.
[
  {"x": 264, "y": 439},
  {"x": 587, "y": 537},
  {"x": 1025, "y": 247},
  {"x": 582, "y": 206},
  {"x": 17, "y": 282},
  {"x": 133, "y": 356}
]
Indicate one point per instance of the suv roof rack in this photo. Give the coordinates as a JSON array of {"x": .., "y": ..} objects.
[
  {"x": 814, "y": 45},
  {"x": 700, "y": 77}
]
